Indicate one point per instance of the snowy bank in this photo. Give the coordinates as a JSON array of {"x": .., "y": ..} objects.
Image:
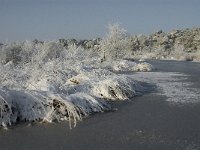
[{"x": 47, "y": 82}]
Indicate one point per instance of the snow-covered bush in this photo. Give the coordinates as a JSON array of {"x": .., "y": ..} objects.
[
  {"x": 125, "y": 65},
  {"x": 115, "y": 44},
  {"x": 46, "y": 81},
  {"x": 11, "y": 52},
  {"x": 197, "y": 56},
  {"x": 47, "y": 51},
  {"x": 143, "y": 67}
]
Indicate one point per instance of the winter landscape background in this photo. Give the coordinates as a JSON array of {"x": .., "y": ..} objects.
[
  {"x": 106, "y": 74},
  {"x": 69, "y": 79}
]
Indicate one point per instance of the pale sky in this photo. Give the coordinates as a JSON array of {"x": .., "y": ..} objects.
[{"x": 53, "y": 19}]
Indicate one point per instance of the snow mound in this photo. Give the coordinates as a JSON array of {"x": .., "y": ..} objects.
[
  {"x": 126, "y": 65},
  {"x": 143, "y": 67}
]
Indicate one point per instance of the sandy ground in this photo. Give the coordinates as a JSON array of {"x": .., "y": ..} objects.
[{"x": 146, "y": 123}]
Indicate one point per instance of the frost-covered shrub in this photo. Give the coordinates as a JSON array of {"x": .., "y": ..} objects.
[
  {"x": 179, "y": 53},
  {"x": 47, "y": 51},
  {"x": 143, "y": 67},
  {"x": 197, "y": 56},
  {"x": 115, "y": 44},
  {"x": 126, "y": 65},
  {"x": 19, "y": 52},
  {"x": 11, "y": 52}
]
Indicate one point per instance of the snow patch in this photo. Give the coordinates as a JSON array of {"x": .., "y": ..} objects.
[{"x": 172, "y": 85}]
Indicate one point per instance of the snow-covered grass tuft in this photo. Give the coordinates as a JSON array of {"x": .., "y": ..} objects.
[
  {"x": 117, "y": 88},
  {"x": 5, "y": 108},
  {"x": 34, "y": 105},
  {"x": 88, "y": 104}
]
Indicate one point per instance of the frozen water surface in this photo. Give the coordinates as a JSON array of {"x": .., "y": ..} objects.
[{"x": 173, "y": 85}]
